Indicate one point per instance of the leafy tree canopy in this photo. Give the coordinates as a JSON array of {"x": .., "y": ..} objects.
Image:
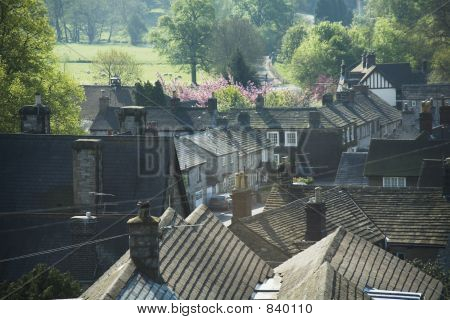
[
  {"x": 27, "y": 66},
  {"x": 41, "y": 284},
  {"x": 291, "y": 40},
  {"x": 334, "y": 11},
  {"x": 117, "y": 62},
  {"x": 184, "y": 36}
]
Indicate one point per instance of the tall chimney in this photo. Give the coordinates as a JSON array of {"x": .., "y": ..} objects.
[
  {"x": 145, "y": 236},
  {"x": 241, "y": 197},
  {"x": 444, "y": 113},
  {"x": 346, "y": 97},
  {"x": 244, "y": 120},
  {"x": 259, "y": 102},
  {"x": 426, "y": 117},
  {"x": 370, "y": 60},
  {"x": 87, "y": 173},
  {"x": 83, "y": 262},
  {"x": 343, "y": 69},
  {"x": 212, "y": 108},
  {"x": 316, "y": 217},
  {"x": 446, "y": 184},
  {"x": 327, "y": 100},
  {"x": 103, "y": 102},
  {"x": 364, "y": 60},
  {"x": 132, "y": 120},
  {"x": 35, "y": 118},
  {"x": 174, "y": 101},
  {"x": 314, "y": 119}
]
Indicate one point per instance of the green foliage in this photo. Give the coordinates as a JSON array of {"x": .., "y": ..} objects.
[
  {"x": 440, "y": 66},
  {"x": 286, "y": 98},
  {"x": 231, "y": 97},
  {"x": 184, "y": 35},
  {"x": 136, "y": 29},
  {"x": 271, "y": 17},
  {"x": 302, "y": 180},
  {"x": 148, "y": 94},
  {"x": 292, "y": 40},
  {"x": 232, "y": 34},
  {"x": 436, "y": 270},
  {"x": 321, "y": 52},
  {"x": 27, "y": 66},
  {"x": 240, "y": 71},
  {"x": 41, "y": 284},
  {"x": 334, "y": 11},
  {"x": 112, "y": 62}
]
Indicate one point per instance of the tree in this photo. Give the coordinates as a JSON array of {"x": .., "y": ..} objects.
[
  {"x": 27, "y": 66},
  {"x": 184, "y": 35},
  {"x": 334, "y": 11},
  {"x": 148, "y": 94},
  {"x": 240, "y": 71},
  {"x": 440, "y": 66},
  {"x": 231, "y": 34},
  {"x": 41, "y": 284},
  {"x": 115, "y": 62},
  {"x": 292, "y": 40}
]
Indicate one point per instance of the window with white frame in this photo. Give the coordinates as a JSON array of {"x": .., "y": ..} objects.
[
  {"x": 290, "y": 138},
  {"x": 274, "y": 137},
  {"x": 276, "y": 158},
  {"x": 394, "y": 182}
]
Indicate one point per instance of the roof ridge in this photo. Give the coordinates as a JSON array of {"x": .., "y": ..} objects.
[{"x": 360, "y": 209}]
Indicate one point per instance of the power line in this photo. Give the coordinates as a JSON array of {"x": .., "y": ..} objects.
[{"x": 78, "y": 245}]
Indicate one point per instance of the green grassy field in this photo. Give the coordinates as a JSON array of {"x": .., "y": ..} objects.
[{"x": 74, "y": 60}]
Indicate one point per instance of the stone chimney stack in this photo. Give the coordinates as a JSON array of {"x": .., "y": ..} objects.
[
  {"x": 446, "y": 183},
  {"x": 132, "y": 120},
  {"x": 244, "y": 120},
  {"x": 370, "y": 60},
  {"x": 87, "y": 173},
  {"x": 35, "y": 118},
  {"x": 444, "y": 113},
  {"x": 314, "y": 119},
  {"x": 104, "y": 102},
  {"x": 212, "y": 108},
  {"x": 144, "y": 241},
  {"x": 259, "y": 101},
  {"x": 346, "y": 97},
  {"x": 327, "y": 100},
  {"x": 315, "y": 217},
  {"x": 364, "y": 60},
  {"x": 242, "y": 197},
  {"x": 174, "y": 101},
  {"x": 83, "y": 262},
  {"x": 426, "y": 117}
]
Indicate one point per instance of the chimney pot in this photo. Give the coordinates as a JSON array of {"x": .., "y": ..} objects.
[
  {"x": 444, "y": 113},
  {"x": 370, "y": 60},
  {"x": 426, "y": 117},
  {"x": 241, "y": 197},
  {"x": 315, "y": 221}
]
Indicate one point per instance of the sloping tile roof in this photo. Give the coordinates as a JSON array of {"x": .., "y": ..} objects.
[
  {"x": 187, "y": 156},
  {"x": 396, "y": 73},
  {"x": 403, "y": 158},
  {"x": 341, "y": 265},
  {"x": 404, "y": 215},
  {"x": 119, "y": 97},
  {"x": 351, "y": 169},
  {"x": 37, "y": 172},
  {"x": 205, "y": 261},
  {"x": 285, "y": 227},
  {"x": 431, "y": 174},
  {"x": 425, "y": 91}
]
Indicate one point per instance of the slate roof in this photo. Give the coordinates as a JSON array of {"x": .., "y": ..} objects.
[
  {"x": 431, "y": 174},
  {"x": 119, "y": 97},
  {"x": 285, "y": 227},
  {"x": 23, "y": 234},
  {"x": 365, "y": 108},
  {"x": 187, "y": 156},
  {"x": 180, "y": 118},
  {"x": 403, "y": 158},
  {"x": 425, "y": 91},
  {"x": 202, "y": 262},
  {"x": 404, "y": 215},
  {"x": 37, "y": 172},
  {"x": 341, "y": 265},
  {"x": 221, "y": 142},
  {"x": 351, "y": 169},
  {"x": 397, "y": 74}
]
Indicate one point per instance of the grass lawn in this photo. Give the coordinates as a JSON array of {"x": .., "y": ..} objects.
[{"x": 75, "y": 60}]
